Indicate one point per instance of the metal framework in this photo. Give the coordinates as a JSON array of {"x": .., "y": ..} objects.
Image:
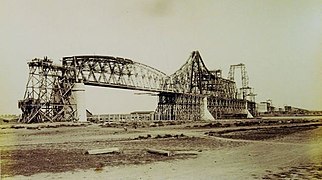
[
  {"x": 115, "y": 72},
  {"x": 245, "y": 91},
  {"x": 178, "y": 106},
  {"x": 48, "y": 95},
  {"x": 191, "y": 83}
]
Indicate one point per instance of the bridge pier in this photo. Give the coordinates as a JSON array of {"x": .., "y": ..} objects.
[
  {"x": 204, "y": 112},
  {"x": 78, "y": 94},
  {"x": 249, "y": 109}
]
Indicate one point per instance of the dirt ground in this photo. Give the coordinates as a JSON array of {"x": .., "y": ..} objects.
[{"x": 227, "y": 149}]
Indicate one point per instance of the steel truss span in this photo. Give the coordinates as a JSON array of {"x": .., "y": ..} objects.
[
  {"x": 49, "y": 90},
  {"x": 115, "y": 72}
]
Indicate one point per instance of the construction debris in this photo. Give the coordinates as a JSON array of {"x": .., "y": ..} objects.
[
  {"x": 159, "y": 152},
  {"x": 171, "y": 153},
  {"x": 104, "y": 151}
]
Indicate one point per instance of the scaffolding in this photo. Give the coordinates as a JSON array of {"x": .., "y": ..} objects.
[
  {"x": 48, "y": 93},
  {"x": 246, "y": 92}
]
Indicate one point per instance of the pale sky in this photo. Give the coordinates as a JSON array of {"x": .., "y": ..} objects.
[{"x": 280, "y": 41}]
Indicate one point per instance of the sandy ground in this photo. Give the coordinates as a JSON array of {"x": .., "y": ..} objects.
[{"x": 280, "y": 150}]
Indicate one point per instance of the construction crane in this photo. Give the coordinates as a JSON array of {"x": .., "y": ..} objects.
[{"x": 245, "y": 90}]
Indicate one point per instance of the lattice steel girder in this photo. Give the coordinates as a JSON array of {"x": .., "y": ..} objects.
[
  {"x": 194, "y": 78},
  {"x": 115, "y": 72}
]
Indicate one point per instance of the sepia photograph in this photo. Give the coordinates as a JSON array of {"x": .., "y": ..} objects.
[{"x": 160, "y": 89}]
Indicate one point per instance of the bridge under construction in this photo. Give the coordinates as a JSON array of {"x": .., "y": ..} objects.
[{"x": 56, "y": 92}]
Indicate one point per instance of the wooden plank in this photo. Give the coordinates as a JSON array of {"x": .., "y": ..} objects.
[
  {"x": 185, "y": 152},
  {"x": 103, "y": 151},
  {"x": 159, "y": 152}
]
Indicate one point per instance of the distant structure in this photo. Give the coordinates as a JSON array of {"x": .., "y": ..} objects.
[
  {"x": 266, "y": 108},
  {"x": 56, "y": 92}
]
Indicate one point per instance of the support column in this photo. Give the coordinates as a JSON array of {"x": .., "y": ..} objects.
[
  {"x": 78, "y": 93},
  {"x": 204, "y": 112},
  {"x": 249, "y": 115}
]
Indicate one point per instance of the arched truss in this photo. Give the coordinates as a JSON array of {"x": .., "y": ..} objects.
[{"x": 108, "y": 71}]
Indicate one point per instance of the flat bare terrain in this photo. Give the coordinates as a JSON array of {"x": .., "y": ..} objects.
[{"x": 227, "y": 149}]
